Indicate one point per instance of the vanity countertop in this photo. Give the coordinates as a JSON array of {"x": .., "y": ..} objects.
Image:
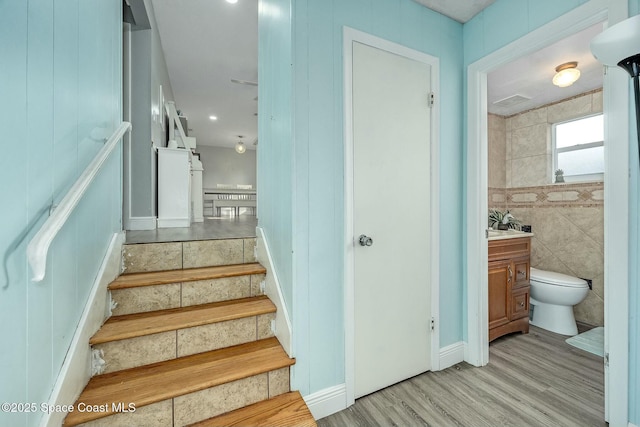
[{"x": 507, "y": 234}]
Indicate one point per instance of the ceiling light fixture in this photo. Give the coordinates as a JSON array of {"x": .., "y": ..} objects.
[
  {"x": 566, "y": 74},
  {"x": 232, "y": 1},
  {"x": 240, "y": 148},
  {"x": 214, "y": 118}
]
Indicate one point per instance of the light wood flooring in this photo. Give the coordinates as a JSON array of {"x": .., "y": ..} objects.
[{"x": 531, "y": 380}]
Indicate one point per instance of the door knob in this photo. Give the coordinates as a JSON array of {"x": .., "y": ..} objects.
[{"x": 365, "y": 240}]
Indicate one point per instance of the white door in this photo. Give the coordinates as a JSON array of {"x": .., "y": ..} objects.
[{"x": 391, "y": 143}]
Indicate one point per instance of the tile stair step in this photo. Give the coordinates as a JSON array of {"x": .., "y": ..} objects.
[
  {"x": 157, "y": 382},
  {"x": 153, "y": 322},
  {"x": 285, "y": 410},
  {"x": 132, "y": 280}
]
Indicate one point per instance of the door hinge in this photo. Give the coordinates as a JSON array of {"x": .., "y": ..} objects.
[
  {"x": 432, "y": 99},
  {"x": 606, "y": 359},
  {"x": 433, "y": 324}
]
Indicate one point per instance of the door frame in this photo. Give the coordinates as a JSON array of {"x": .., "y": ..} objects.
[
  {"x": 351, "y": 35},
  {"x": 616, "y": 211}
]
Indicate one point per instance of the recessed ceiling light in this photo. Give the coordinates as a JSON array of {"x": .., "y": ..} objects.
[
  {"x": 214, "y": 118},
  {"x": 232, "y": 1}
]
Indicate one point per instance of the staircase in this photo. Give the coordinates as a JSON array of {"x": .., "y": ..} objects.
[{"x": 190, "y": 343}]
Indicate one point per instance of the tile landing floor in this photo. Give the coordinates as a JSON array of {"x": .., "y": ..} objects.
[{"x": 211, "y": 229}]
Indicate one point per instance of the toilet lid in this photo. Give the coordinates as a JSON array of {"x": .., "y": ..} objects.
[{"x": 557, "y": 279}]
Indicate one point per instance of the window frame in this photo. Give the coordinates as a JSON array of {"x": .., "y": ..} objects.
[{"x": 590, "y": 177}]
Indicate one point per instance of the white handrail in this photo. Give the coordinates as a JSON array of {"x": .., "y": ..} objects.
[
  {"x": 174, "y": 121},
  {"x": 39, "y": 245}
]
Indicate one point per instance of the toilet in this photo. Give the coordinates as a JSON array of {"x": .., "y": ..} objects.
[{"x": 553, "y": 296}]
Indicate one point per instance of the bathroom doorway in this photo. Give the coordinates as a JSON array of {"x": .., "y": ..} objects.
[{"x": 615, "y": 88}]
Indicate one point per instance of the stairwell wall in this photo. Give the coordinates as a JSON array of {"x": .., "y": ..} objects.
[
  {"x": 61, "y": 91},
  {"x": 149, "y": 74}
]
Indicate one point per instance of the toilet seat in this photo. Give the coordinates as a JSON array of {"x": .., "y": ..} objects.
[{"x": 557, "y": 279}]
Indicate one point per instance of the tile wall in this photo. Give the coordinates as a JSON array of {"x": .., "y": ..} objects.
[{"x": 567, "y": 219}]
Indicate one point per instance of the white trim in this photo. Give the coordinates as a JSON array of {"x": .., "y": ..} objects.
[
  {"x": 141, "y": 223},
  {"x": 451, "y": 354},
  {"x": 76, "y": 368},
  {"x": 616, "y": 194},
  {"x": 39, "y": 245},
  {"x": 173, "y": 222},
  {"x": 273, "y": 290},
  {"x": 632, "y": 425},
  {"x": 126, "y": 114},
  {"x": 328, "y": 401},
  {"x": 351, "y": 35}
]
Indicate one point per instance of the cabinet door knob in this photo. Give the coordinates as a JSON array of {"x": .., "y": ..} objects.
[
  {"x": 510, "y": 273},
  {"x": 521, "y": 303}
]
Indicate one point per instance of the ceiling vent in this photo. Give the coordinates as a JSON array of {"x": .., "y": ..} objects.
[{"x": 511, "y": 101}]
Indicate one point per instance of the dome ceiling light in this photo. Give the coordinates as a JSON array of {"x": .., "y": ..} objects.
[{"x": 566, "y": 74}]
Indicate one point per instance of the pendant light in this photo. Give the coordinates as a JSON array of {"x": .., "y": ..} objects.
[{"x": 240, "y": 148}]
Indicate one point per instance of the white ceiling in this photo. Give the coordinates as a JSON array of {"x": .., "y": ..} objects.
[
  {"x": 460, "y": 10},
  {"x": 531, "y": 75},
  {"x": 209, "y": 42}
]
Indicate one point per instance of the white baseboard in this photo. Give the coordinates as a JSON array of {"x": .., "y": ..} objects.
[
  {"x": 173, "y": 222},
  {"x": 140, "y": 223},
  {"x": 328, "y": 401},
  {"x": 76, "y": 368},
  {"x": 273, "y": 291},
  {"x": 632, "y": 425},
  {"x": 451, "y": 354}
]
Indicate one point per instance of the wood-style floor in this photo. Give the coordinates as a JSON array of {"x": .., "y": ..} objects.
[{"x": 531, "y": 380}]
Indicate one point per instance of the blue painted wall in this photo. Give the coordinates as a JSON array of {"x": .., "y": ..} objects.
[
  {"x": 275, "y": 155},
  {"x": 60, "y": 85},
  {"x": 634, "y": 262},
  {"x": 506, "y": 21},
  {"x": 301, "y": 163}
]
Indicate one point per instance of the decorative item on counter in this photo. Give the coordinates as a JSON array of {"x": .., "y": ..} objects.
[
  {"x": 502, "y": 220},
  {"x": 559, "y": 175}
]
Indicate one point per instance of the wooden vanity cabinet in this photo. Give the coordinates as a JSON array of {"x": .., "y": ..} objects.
[{"x": 509, "y": 286}]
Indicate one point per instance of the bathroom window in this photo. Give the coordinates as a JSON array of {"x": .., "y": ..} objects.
[{"x": 578, "y": 149}]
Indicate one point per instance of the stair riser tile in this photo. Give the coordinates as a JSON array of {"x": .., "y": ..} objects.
[
  {"x": 217, "y": 335},
  {"x": 205, "y": 291},
  {"x": 176, "y": 255},
  {"x": 158, "y": 414},
  {"x": 256, "y": 280},
  {"x": 264, "y": 325},
  {"x": 146, "y": 298},
  {"x": 159, "y": 297},
  {"x": 133, "y": 352},
  {"x": 250, "y": 250},
  {"x": 212, "y": 252},
  {"x": 214, "y": 401},
  {"x": 279, "y": 382},
  {"x": 152, "y": 257}
]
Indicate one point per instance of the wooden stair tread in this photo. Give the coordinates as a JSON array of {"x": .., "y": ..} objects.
[
  {"x": 153, "y": 322},
  {"x": 285, "y": 410},
  {"x": 153, "y": 383},
  {"x": 133, "y": 280}
]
